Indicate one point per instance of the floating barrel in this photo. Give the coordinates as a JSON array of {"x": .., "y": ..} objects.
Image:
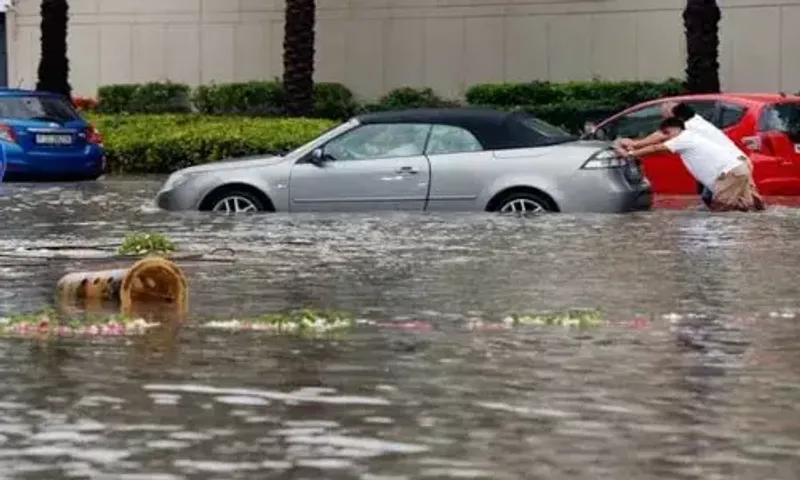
[{"x": 151, "y": 283}]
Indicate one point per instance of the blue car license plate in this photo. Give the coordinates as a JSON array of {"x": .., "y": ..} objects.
[{"x": 53, "y": 139}]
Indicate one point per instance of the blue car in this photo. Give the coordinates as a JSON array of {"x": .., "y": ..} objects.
[{"x": 44, "y": 138}]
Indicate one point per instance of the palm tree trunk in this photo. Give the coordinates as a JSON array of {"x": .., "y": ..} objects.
[
  {"x": 298, "y": 57},
  {"x": 701, "y": 20},
  {"x": 53, "y": 64}
]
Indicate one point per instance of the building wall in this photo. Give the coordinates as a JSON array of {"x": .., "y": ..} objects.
[{"x": 374, "y": 45}]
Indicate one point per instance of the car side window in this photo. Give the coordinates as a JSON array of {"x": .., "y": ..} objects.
[
  {"x": 636, "y": 124},
  {"x": 379, "y": 140},
  {"x": 706, "y": 109},
  {"x": 730, "y": 114},
  {"x": 451, "y": 139}
]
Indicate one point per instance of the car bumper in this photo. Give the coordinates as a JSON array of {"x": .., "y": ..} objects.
[
  {"x": 599, "y": 191},
  {"x": 89, "y": 163},
  {"x": 175, "y": 200}
]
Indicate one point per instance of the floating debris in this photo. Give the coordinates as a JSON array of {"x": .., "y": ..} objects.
[
  {"x": 570, "y": 318},
  {"x": 294, "y": 322},
  {"x": 299, "y": 321},
  {"x": 144, "y": 243},
  {"x": 48, "y": 324}
]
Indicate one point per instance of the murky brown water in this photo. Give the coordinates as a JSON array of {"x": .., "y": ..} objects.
[{"x": 707, "y": 397}]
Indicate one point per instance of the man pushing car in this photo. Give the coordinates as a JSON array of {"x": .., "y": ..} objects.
[
  {"x": 725, "y": 172},
  {"x": 695, "y": 123}
]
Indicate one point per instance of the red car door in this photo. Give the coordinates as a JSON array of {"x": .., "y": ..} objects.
[
  {"x": 776, "y": 149},
  {"x": 666, "y": 172}
]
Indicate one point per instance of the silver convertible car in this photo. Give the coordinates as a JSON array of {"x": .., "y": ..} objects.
[{"x": 453, "y": 159}]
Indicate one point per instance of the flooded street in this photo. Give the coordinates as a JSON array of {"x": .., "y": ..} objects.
[{"x": 704, "y": 384}]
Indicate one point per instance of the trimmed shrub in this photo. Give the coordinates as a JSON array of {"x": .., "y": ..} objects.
[
  {"x": 409, "y": 97},
  {"x": 549, "y": 93},
  {"x": 115, "y": 98},
  {"x": 154, "y": 97},
  {"x": 250, "y": 98},
  {"x": 334, "y": 101},
  {"x": 164, "y": 143},
  {"x": 331, "y": 100}
]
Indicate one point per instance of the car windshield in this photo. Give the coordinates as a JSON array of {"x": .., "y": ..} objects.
[
  {"x": 540, "y": 133},
  {"x": 37, "y": 107}
]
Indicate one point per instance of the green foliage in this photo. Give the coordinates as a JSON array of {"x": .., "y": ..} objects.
[
  {"x": 146, "y": 243},
  {"x": 115, "y": 98},
  {"x": 154, "y": 97},
  {"x": 250, "y": 98},
  {"x": 550, "y": 93},
  {"x": 408, "y": 97},
  {"x": 165, "y": 143},
  {"x": 334, "y": 101}
]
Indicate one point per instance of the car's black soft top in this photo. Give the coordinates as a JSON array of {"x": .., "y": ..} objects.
[{"x": 495, "y": 129}]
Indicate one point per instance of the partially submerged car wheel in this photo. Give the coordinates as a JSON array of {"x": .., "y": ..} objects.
[
  {"x": 525, "y": 202},
  {"x": 236, "y": 201}
]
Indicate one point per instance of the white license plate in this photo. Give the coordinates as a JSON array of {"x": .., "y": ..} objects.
[
  {"x": 52, "y": 139},
  {"x": 797, "y": 148}
]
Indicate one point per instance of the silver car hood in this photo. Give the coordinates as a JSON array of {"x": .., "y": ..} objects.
[{"x": 231, "y": 164}]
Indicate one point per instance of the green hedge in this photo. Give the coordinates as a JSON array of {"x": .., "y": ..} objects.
[
  {"x": 550, "y": 93},
  {"x": 164, "y": 143},
  {"x": 567, "y": 104},
  {"x": 154, "y": 97}
]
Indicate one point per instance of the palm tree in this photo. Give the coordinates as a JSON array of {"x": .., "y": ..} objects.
[
  {"x": 298, "y": 57},
  {"x": 701, "y": 20},
  {"x": 54, "y": 65}
]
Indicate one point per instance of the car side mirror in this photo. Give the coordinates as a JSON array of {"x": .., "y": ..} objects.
[{"x": 317, "y": 157}]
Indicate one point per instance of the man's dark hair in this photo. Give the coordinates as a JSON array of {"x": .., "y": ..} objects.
[
  {"x": 672, "y": 122},
  {"x": 683, "y": 111}
]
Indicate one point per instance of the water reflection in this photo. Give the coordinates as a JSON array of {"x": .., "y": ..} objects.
[{"x": 708, "y": 392}]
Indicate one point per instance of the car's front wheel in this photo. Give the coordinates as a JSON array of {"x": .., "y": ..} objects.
[
  {"x": 236, "y": 201},
  {"x": 525, "y": 202}
]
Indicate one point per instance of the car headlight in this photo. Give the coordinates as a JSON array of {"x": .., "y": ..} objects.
[
  {"x": 606, "y": 158},
  {"x": 177, "y": 179}
]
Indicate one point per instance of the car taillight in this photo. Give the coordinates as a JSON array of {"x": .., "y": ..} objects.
[
  {"x": 93, "y": 136},
  {"x": 759, "y": 143},
  {"x": 7, "y": 134},
  {"x": 606, "y": 158}
]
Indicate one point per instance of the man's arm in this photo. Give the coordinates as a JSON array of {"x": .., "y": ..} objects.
[
  {"x": 648, "y": 150},
  {"x": 652, "y": 139}
]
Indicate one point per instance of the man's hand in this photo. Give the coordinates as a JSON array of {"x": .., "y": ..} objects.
[{"x": 621, "y": 151}]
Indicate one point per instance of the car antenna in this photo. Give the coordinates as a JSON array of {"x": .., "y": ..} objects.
[{"x": 783, "y": 94}]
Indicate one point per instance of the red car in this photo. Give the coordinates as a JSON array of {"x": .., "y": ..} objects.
[{"x": 765, "y": 126}]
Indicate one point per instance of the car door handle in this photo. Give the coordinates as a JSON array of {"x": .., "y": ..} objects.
[{"x": 408, "y": 170}]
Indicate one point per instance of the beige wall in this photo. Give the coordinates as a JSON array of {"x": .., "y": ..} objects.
[{"x": 374, "y": 45}]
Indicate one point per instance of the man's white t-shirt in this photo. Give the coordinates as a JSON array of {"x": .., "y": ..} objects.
[
  {"x": 707, "y": 129},
  {"x": 705, "y": 160}
]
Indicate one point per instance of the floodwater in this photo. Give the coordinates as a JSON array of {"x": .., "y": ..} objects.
[{"x": 711, "y": 391}]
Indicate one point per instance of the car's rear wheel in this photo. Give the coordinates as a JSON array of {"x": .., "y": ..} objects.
[
  {"x": 236, "y": 201},
  {"x": 525, "y": 202}
]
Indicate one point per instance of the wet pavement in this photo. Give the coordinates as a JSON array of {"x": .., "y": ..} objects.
[{"x": 702, "y": 385}]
